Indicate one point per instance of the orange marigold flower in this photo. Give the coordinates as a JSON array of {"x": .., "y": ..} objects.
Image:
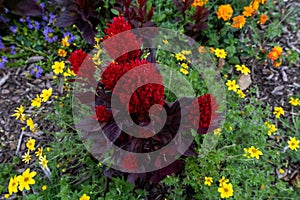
[
  {"x": 238, "y": 21},
  {"x": 224, "y": 12},
  {"x": 278, "y": 64},
  {"x": 278, "y": 49},
  {"x": 248, "y": 11},
  {"x": 273, "y": 55},
  {"x": 199, "y": 3},
  {"x": 263, "y": 18},
  {"x": 255, "y": 5}
]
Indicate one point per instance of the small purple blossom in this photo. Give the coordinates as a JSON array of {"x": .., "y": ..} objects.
[
  {"x": 1, "y": 43},
  {"x": 45, "y": 18},
  {"x": 34, "y": 25},
  {"x": 3, "y": 60},
  {"x": 12, "y": 49},
  {"x": 51, "y": 18},
  {"x": 48, "y": 34},
  {"x": 36, "y": 71},
  {"x": 6, "y": 10},
  {"x": 70, "y": 36},
  {"x": 22, "y": 20},
  {"x": 42, "y": 5},
  {"x": 3, "y": 19},
  {"x": 13, "y": 29}
]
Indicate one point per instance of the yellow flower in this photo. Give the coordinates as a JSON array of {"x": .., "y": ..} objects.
[
  {"x": 272, "y": 128},
  {"x": 186, "y": 52},
  {"x": 223, "y": 180},
  {"x": 44, "y": 187},
  {"x": 84, "y": 197},
  {"x": 199, "y": 3},
  {"x": 217, "y": 131},
  {"x": 184, "y": 65},
  {"x": 293, "y": 143},
  {"x": 48, "y": 149},
  {"x": 62, "y": 53},
  {"x": 43, "y": 162},
  {"x": 26, "y": 158},
  {"x": 263, "y": 18},
  {"x": 65, "y": 41},
  {"x": 39, "y": 152},
  {"x": 241, "y": 93},
  {"x": 30, "y": 144},
  {"x": 36, "y": 102},
  {"x": 26, "y": 179},
  {"x": 220, "y": 53},
  {"x": 277, "y": 49},
  {"x": 202, "y": 49},
  {"x": 278, "y": 64},
  {"x": 69, "y": 72},
  {"x": 13, "y": 185},
  {"x": 248, "y": 11},
  {"x": 254, "y": 152},
  {"x": 19, "y": 112},
  {"x": 242, "y": 68},
  {"x": 224, "y": 12},
  {"x": 208, "y": 181},
  {"x": 278, "y": 111},
  {"x": 226, "y": 190},
  {"x": 231, "y": 84},
  {"x": 30, "y": 124},
  {"x": 230, "y": 128},
  {"x": 165, "y": 41},
  {"x": 46, "y": 94},
  {"x": 180, "y": 57},
  {"x": 58, "y": 67},
  {"x": 255, "y": 5},
  {"x": 238, "y": 21},
  {"x": 247, "y": 154},
  {"x": 6, "y": 196},
  {"x": 281, "y": 171},
  {"x": 184, "y": 71},
  {"x": 294, "y": 102}
]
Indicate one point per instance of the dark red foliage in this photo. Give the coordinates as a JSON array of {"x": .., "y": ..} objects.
[
  {"x": 82, "y": 13},
  {"x": 200, "y": 17},
  {"x": 129, "y": 163},
  {"x": 102, "y": 114},
  {"x": 77, "y": 57},
  {"x": 136, "y": 14}
]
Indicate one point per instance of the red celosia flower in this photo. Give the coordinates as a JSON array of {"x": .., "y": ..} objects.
[
  {"x": 102, "y": 114},
  {"x": 118, "y": 25},
  {"x": 207, "y": 111},
  {"x": 145, "y": 96},
  {"x": 123, "y": 47},
  {"x": 129, "y": 163},
  {"x": 76, "y": 59}
]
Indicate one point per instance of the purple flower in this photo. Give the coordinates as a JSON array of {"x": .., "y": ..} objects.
[
  {"x": 48, "y": 34},
  {"x": 6, "y": 10},
  {"x": 70, "y": 36},
  {"x": 1, "y": 43},
  {"x": 3, "y": 19},
  {"x": 36, "y": 71},
  {"x": 34, "y": 25},
  {"x": 42, "y": 5},
  {"x": 21, "y": 19},
  {"x": 51, "y": 18},
  {"x": 13, "y": 29},
  {"x": 3, "y": 60},
  {"x": 45, "y": 18},
  {"x": 12, "y": 49}
]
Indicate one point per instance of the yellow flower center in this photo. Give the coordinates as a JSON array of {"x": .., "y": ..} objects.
[{"x": 26, "y": 179}]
